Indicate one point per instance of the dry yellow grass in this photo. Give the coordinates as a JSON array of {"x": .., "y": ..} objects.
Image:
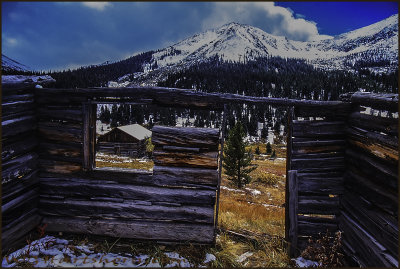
[
  {"x": 260, "y": 212},
  {"x": 123, "y": 162}
]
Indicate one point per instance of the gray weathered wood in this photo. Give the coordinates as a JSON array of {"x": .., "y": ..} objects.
[
  {"x": 15, "y": 232},
  {"x": 192, "y": 98},
  {"x": 322, "y": 185},
  {"x": 129, "y": 209},
  {"x": 318, "y": 129},
  {"x": 374, "y": 123},
  {"x": 381, "y": 146},
  {"x": 18, "y": 126},
  {"x": 375, "y": 192},
  {"x": 367, "y": 248},
  {"x": 385, "y": 101},
  {"x": 293, "y": 210},
  {"x": 323, "y": 205},
  {"x": 146, "y": 230},
  {"x": 203, "y": 138},
  {"x": 182, "y": 176},
  {"x": 24, "y": 198},
  {"x": 69, "y": 114},
  {"x": 60, "y": 167},
  {"x": 19, "y": 147},
  {"x": 17, "y": 187},
  {"x": 380, "y": 224},
  {"x": 59, "y": 134},
  {"x": 18, "y": 167},
  {"x": 185, "y": 159},
  {"x": 87, "y": 188},
  {"x": 322, "y": 164}
]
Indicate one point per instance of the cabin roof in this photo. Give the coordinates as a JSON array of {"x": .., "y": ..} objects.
[{"x": 136, "y": 130}]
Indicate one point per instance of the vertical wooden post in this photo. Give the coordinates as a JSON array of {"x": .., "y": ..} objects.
[
  {"x": 293, "y": 208},
  {"x": 86, "y": 136},
  {"x": 221, "y": 152},
  {"x": 89, "y": 135},
  {"x": 288, "y": 167}
]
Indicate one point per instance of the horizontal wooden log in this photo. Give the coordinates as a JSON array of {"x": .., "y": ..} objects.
[
  {"x": 25, "y": 206},
  {"x": 376, "y": 144},
  {"x": 18, "y": 115},
  {"x": 17, "y": 187},
  {"x": 12, "y": 108},
  {"x": 18, "y": 126},
  {"x": 180, "y": 149},
  {"x": 52, "y": 166},
  {"x": 61, "y": 134},
  {"x": 86, "y": 188},
  {"x": 330, "y": 112},
  {"x": 11, "y": 83},
  {"x": 318, "y": 155},
  {"x": 65, "y": 100},
  {"x": 61, "y": 152},
  {"x": 306, "y": 228},
  {"x": 317, "y": 146},
  {"x": 374, "y": 168},
  {"x": 367, "y": 248},
  {"x": 126, "y": 210},
  {"x": 331, "y": 219},
  {"x": 190, "y": 98},
  {"x": 203, "y": 138},
  {"x": 323, "y": 205},
  {"x": 180, "y": 176},
  {"x": 383, "y": 226},
  {"x": 385, "y": 101},
  {"x": 70, "y": 114},
  {"x": 146, "y": 230},
  {"x": 15, "y": 232},
  {"x": 12, "y": 150},
  {"x": 60, "y": 124},
  {"x": 20, "y": 200},
  {"x": 322, "y": 185},
  {"x": 318, "y": 129},
  {"x": 376, "y": 193},
  {"x": 17, "y": 98},
  {"x": 374, "y": 123},
  {"x": 308, "y": 164},
  {"x": 186, "y": 159},
  {"x": 18, "y": 167}
]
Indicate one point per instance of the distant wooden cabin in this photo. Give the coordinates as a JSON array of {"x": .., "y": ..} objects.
[{"x": 128, "y": 140}]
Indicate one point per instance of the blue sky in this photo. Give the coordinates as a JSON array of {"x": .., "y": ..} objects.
[{"x": 62, "y": 35}]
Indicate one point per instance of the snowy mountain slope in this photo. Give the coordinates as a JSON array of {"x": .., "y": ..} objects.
[
  {"x": 237, "y": 42},
  {"x": 240, "y": 43},
  {"x": 8, "y": 64}
]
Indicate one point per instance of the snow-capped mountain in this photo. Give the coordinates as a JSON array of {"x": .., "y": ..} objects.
[
  {"x": 240, "y": 43},
  {"x": 8, "y": 64}
]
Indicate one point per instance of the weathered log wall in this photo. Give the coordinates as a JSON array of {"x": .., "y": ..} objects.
[
  {"x": 369, "y": 205},
  {"x": 134, "y": 150},
  {"x": 316, "y": 146},
  {"x": 179, "y": 197},
  {"x": 19, "y": 160}
]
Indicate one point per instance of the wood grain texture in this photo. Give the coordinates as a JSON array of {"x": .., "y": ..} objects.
[
  {"x": 87, "y": 189},
  {"x": 146, "y": 230},
  {"x": 126, "y": 210}
]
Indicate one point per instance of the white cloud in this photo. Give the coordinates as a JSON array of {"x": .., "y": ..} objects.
[
  {"x": 100, "y": 6},
  {"x": 273, "y": 19},
  {"x": 11, "y": 42}
]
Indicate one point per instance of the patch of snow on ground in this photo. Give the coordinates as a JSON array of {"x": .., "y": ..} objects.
[
  {"x": 301, "y": 262},
  {"x": 229, "y": 189},
  {"x": 54, "y": 252},
  {"x": 253, "y": 191}
]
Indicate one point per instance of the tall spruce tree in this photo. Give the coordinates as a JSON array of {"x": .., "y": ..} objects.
[{"x": 237, "y": 161}]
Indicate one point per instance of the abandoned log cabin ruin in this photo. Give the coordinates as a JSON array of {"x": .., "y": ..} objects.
[
  {"x": 342, "y": 165},
  {"x": 128, "y": 140}
]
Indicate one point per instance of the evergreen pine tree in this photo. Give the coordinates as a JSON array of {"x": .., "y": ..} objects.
[
  {"x": 273, "y": 155},
  {"x": 269, "y": 148},
  {"x": 237, "y": 161},
  {"x": 257, "y": 151}
]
